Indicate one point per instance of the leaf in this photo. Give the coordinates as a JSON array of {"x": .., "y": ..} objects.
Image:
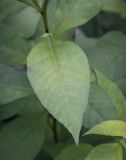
[
  {"x": 54, "y": 149},
  {"x": 116, "y": 6},
  {"x": 74, "y": 152},
  {"x": 99, "y": 106},
  {"x": 14, "y": 108},
  {"x": 25, "y": 21},
  {"x": 13, "y": 47},
  {"x": 13, "y": 84},
  {"x": 22, "y": 138},
  {"x": 112, "y": 151},
  {"x": 114, "y": 92},
  {"x": 64, "y": 15},
  {"x": 9, "y": 7},
  {"x": 60, "y": 77},
  {"x": 114, "y": 128},
  {"x": 108, "y": 56}
]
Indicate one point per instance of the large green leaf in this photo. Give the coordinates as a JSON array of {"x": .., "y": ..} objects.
[
  {"x": 60, "y": 76},
  {"x": 22, "y": 137},
  {"x": 65, "y": 14},
  {"x": 13, "y": 84},
  {"x": 13, "y": 47},
  {"x": 109, "y": 128},
  {"x": 74, "y": 152},
  {"x": 112, "y": 151},
  {"x": 114, "y": 92}
]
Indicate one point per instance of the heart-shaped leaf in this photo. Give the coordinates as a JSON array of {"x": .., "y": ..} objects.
[{"x": 60, "y": 77}]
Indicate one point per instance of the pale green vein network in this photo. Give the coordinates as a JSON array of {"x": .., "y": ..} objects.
[{"x": 59, "y": 74}]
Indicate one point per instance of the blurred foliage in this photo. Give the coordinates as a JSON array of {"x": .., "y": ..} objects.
[{"x": 27, "y": 130}]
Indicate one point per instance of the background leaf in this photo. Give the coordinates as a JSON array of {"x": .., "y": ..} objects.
[
  {"x": 13, "y": 46},
  {"x": 109, "y": 128},
  {"x": 64, "y": 15},
  {"x": 74, "y": 152},
  {"x": 13, "y": 84},
  {"x": 106, "y": 152},
  {"x": 22, "y": 137},
  {"x": 116, "y": 6},
  {"x": 9, "y": 7},
  {"x": 25, "y": 21},
  {"x": 100, "y": 106},
  {"x": 116, "y": 95},
  {"x": 14, "y": 108},
  {"x": 108, "y": 57}
]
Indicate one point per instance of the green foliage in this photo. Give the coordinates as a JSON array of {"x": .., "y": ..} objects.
[
  {"x": 13, "y": 84},
  {"x": 68, "y": 14},
  {"x": 26, "y": 135},
  {"x": 13, "y": 46},
  {"x": 110, "y": 151},
  {"x": 60, "y": 81},
  {"x": 116, "y": 95},
  {"x": 117, "y": 6},
  {"x": 63, "y": 69},
  {"x": 100, "y": 106},
  {"x": 109, "y": 128},
  {"x": 74, "y": 152}
]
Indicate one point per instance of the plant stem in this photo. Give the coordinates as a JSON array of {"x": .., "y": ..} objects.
[
  {"x": 55, "y": 131},
  {"x": 44, "y": 15}
]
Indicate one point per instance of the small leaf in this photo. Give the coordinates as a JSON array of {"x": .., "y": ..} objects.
[
  {"x": 65, "y": 14},
  {"x": 112, "y": 151},
  {"x": 74, "y": 152},
  {"x": 13, "y": 84},
  {"x": 60, "y": 77},
  {"x": 114, "y": 92},
  {"x": 114, "y": 128}
]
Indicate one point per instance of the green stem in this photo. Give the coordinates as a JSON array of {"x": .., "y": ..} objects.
[
  {"x": 55, "y": 131},
  {"x": 44, "y": 15},
  {"x": 37, "y": 5}
]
